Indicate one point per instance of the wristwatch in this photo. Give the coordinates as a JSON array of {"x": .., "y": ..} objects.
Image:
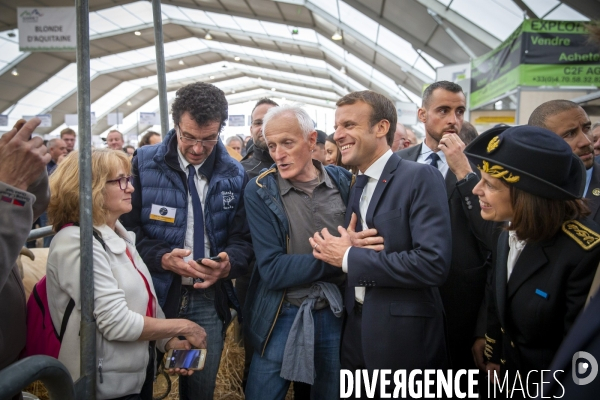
[{"x": 470, "y": 175}]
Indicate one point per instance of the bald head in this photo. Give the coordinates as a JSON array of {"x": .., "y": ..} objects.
[
  {"x": 56, "y": 148},
  {"x": 411, "y": 137},
  {"x": 540, "y": 115},
  {"x": 400, "y": 138},
  {"x": 569, "y": 121}
]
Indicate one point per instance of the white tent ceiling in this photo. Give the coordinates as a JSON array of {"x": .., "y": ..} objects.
[{"x": 391, "y": 46}]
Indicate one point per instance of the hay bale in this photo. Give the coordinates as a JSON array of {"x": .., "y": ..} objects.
[{"x": 229, "y": 377}]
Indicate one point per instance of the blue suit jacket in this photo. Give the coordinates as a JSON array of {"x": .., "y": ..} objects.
[
  {"x": 402, "y": 315},
  {"x": 583, "y": 336}
]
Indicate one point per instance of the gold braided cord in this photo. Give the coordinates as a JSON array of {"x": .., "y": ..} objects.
[{"x": 499, "y": 172}]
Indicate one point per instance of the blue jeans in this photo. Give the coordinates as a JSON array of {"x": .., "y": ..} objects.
[
  {"x": 264, "y": 382},
  {"x": 198, "y": 305}
]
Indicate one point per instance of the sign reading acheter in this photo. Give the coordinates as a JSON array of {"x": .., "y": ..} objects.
[{"x": 538, "y": 53}]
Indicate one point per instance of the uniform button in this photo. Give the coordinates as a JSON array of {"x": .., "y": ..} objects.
[
  {"x": 469, "y": 207},
  {"x": 467, "y": 198},
  {"x": 512, "y": 344},
  {"x": 502, "y": 361},
  {"x": 501, "y": 329}
]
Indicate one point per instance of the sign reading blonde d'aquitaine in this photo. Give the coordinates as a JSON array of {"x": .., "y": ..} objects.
[
  {"x": 47, "y": 28},
  {"x": 538, "y": 53}
]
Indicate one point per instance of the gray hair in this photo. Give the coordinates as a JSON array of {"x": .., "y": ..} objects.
[
  {"x": 232, "y": 138},
  {"x": 52, "y": 142},
  {"x": 304, "y": 121}
]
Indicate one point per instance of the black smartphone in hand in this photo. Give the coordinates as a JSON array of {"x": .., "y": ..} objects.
[
  {"x": 215, "y": 258},
  {"x": 199, "y": 261}
]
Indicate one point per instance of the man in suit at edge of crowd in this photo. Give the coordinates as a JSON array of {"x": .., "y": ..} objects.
[
  {"x": 404, "y": 201},
  {"x": 442, "y": 114},
  {"x": 569, "y": 121}
]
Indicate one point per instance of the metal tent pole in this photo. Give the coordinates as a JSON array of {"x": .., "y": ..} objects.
[
  {"x": 160, "y": 67},
  {"x": 86, "y": 385}
]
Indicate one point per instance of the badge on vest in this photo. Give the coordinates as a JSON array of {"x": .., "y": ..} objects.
[
  {"x": 228, "y": 197},
  {"x": 162, "y": 213}
]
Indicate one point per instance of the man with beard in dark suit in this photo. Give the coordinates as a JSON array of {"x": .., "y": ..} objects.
[
  {"x": 569, "y": 121},
  {"x": 442, "y": 113}
]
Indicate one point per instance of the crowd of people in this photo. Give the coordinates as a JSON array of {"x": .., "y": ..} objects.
[{"x": 358, "y": 250}]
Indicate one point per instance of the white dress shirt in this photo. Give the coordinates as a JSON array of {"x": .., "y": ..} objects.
[
  {"x": 424, "y": 159},
  {"x": 374, "y": 173},
  {"x": 202, "y": 187},
  {"x": 516, "y": 247}
]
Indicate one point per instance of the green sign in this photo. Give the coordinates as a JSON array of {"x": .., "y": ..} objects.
[{"x": 538, "y": 53}]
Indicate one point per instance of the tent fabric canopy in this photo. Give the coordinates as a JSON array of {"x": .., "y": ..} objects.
[{"x": 389, "y": 46}]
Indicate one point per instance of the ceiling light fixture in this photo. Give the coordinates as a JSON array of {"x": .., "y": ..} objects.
[
  {"x": 181, "y": 62},
  {"x": 343, "y": 70},
  {"x": 233, "y": 91},
  {"x": 208, "y": 36},
  {"x": 273, "y": 89},
  {"x": 283, "y": 98},
  {"x": 236, "y": 58},
  {"x": 15, "y": 72},
  {"x": 129, "y": 103},
  {"x": 337, "y": 35},
  {"x": 259, "y": 78},
  {"x": 212, "y": 77},
  {"x": 137, "y": 33}
]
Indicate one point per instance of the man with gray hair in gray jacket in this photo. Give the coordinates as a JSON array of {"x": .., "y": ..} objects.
[{"x": 24, "y": 196}]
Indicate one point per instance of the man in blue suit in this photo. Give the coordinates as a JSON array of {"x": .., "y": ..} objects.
[{"x": 394, "y": 310}]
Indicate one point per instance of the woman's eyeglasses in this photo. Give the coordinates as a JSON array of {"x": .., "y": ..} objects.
[{"x": 123, "y": 181}]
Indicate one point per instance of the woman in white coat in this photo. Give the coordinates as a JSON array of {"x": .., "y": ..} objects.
[{"x": 128, "y": 316}]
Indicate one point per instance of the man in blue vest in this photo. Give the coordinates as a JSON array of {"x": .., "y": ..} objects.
[{"x": 187, "y": 207}]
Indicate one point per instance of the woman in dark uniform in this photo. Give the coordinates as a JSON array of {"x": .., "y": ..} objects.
[{"x": 547, "y": 254}]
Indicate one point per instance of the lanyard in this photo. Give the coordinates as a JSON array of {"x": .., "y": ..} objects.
[{"x": 150, "y": 310}]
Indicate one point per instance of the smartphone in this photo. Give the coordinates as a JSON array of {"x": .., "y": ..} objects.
[
  {"x": 215, "y": 258},
  {"x": 199, "y": 261},
  {"x": 189, "y": 359}
]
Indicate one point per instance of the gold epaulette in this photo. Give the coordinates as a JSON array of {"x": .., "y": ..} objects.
[
  {"x": 581, "y": 234},
  {"x": 267, "y": 172}
]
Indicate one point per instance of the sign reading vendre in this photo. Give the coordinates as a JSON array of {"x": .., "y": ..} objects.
[
  {"x": 538, "y": 53},
  {"x": 47, "y": 28}
]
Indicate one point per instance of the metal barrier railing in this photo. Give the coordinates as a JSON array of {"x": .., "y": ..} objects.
[
  {"x": 39, "y": 233},
  {"x": 53, "y": 374}
]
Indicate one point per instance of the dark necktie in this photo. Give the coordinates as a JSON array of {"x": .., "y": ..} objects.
[
  {"x": 359, "y": 186},
  {"x": 434, "y": 160},
  {"x": 198, "y": 215}
]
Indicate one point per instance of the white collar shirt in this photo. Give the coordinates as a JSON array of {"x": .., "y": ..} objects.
[
  {"x": 374, "y": 173},
  {"x": 201, "y": 183},
  {"x": 424, "y": 158},
  {"x": 516, "y": 247}
]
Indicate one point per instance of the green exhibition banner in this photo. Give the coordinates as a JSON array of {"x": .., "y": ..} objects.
[{"x": 538, "y": 53}]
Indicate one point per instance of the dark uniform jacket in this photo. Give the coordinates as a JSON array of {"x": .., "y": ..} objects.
[
  {"x": 530, "y": 315},
  {"x": 593, "y": 194}
]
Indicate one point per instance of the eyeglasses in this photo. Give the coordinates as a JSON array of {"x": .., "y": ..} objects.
[
  {"x": 192, "y": 141},
  {"x": 123, "y": 181}
]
